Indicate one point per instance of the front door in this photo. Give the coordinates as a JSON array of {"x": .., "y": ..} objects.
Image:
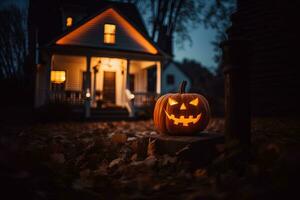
[{"x": 109, "y": 87}]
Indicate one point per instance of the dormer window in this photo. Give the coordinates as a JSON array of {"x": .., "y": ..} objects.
[
  {"x": 69, "y": 21},
  {"x": 109, "y": 33}
]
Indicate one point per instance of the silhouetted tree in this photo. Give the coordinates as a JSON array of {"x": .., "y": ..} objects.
[
  {"x": 217, "y": 16},
  {"x": 168, "y": 18},
  {"x": 200, "y": 76},
  {"x": 12, "y": 41},
  {"x": 173, "y": 16}
]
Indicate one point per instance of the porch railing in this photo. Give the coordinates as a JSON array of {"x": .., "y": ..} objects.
[
  {"x": 72, "y": 97},
  {"x": 144, "y": 99},
  {"x": 76, "y": 97}
]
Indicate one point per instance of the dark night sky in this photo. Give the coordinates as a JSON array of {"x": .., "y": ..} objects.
[{"x": 201, "y": 49}]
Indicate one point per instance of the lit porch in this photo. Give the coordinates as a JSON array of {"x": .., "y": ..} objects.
[{"x": 94, "y": 82}]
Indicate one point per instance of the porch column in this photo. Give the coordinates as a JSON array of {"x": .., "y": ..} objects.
[
  {"x": 87, "y": 89},
  {"x": 95, "y": 70},
  {"x": 158, "y": 77},
  {"x": 129, "y": 102}
]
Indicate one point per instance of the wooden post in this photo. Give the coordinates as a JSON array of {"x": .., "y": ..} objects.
[
  {"x": 237, "y": 95},
  {"x": 129, "y": 104},
  {"x": 94, "y": 89},
  {"x": 95, "y": 70},
  {"x": 87, "y": 89},
  {"x": 158, "y": 77},
  {"x": 48, "y": 78}
]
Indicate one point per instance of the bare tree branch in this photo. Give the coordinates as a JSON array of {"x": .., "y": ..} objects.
[{"x": 12, "y": 41}]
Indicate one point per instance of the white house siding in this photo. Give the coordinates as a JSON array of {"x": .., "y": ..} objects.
[
  {"x": 74, "y": 67},
  {"x": 179, "y": 76},
  {"x": 141, "y": 81},
  {"x": 91, "y": 34},
  {"x": 138, "y": 69}
]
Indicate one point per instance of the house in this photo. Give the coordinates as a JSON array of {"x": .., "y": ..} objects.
[
  {"x": 199, "y": 79},
  {"x": 172, "y": 76},
  {"x": 92, "y": 54}
]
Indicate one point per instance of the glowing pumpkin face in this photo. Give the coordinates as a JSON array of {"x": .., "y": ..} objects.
[{"x": 181, "y": 113}]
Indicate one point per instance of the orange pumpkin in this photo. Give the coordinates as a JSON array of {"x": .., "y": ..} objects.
[{"x": 181, "y": 113}]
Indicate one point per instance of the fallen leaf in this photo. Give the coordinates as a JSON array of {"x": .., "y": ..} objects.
[
  {"x": 119, "y": 138},
  {"x": 150, "y": 161},
  {"x": 115, "y": 163},
  {"x": 58, "y": 158},
  {"x": 84, "y": 173},
  {"x": 168, "y": 160},
  {"x": 151, "y": 147},
  {"x": 102, "y": 170},
  {"x": 200, "y": 173},
  {"x": 134, "y": 157},
  {"x": 274, "y": 148},
  {"x": 220, "y": 148}
]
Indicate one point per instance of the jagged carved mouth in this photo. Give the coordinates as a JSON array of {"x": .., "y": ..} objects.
[{"x": 184, "y": 120}]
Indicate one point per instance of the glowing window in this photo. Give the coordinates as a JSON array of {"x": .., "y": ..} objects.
[
  {"x": 69, "y": 21},
  {"x": 109, "y": 33},
  {"x": 58, "y": 77}
]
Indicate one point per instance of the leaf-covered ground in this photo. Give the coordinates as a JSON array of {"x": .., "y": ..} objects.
[{"x": 98, "y": 160}]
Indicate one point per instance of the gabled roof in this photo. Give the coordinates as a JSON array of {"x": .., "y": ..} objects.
[
  {"x": 129, "y": 11},
  {"x": 92, "y": 7},
  {"x": 132, "y": 18},
  {"x": 177, "y": 65},
  {"x": 192, "y": 71}
]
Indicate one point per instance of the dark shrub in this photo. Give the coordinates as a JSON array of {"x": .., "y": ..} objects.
[{"x": 54, "y": 112}]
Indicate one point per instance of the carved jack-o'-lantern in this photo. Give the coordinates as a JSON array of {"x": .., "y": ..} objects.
[{"x": 181, "y": 113}]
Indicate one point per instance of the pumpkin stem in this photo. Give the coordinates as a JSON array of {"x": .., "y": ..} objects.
[{"x": 182, "y": 87}]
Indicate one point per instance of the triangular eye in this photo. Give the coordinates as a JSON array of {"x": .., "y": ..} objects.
[
  {"x": 172, "y": 102},
  {"x": 194, "y": 102}
]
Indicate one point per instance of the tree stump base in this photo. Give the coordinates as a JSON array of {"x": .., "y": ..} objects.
[{"x": 200, "y": 149}]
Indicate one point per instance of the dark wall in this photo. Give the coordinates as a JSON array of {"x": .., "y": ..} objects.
[{"x": 271, "y": 26}]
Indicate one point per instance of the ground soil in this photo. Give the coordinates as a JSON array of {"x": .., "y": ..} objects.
[{"x": 98, "y": 160}]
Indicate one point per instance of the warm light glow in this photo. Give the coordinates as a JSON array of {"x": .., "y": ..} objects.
[
  {"x": 184, "y": 120},
  {"x": 111, "y": 62},
  {"x": 182, "y": 107},
  {"x": 69, "y": 21},
  {"x": 88, "y": 93},
  {"x": 127, "y": 27},
  {"x": 172, "y": 102},
  {"x": 194, "y": 102},
  {"x": 58, "y": 76},
  {"x": 109, "y": 33}
]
